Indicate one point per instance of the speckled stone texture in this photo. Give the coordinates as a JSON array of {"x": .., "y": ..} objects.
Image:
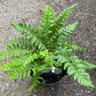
[{"x": 30, "y": 11}]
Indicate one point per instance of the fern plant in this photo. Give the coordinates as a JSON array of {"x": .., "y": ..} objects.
[{"x": 44, "y": 46}]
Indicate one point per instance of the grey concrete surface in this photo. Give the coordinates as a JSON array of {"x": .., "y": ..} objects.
[{"x": 30, "y": 11}]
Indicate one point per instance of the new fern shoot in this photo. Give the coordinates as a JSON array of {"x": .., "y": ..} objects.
[{"x": 44, "y": 46}]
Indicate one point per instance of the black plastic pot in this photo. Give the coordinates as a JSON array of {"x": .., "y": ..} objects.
[{"x": 51, "y": 78}]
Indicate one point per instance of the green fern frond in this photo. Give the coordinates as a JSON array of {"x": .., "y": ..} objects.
[
  {"x": 47, "y": 21},
  {"x": 71, "y": 27},
  {"x": 38, "y": 42},
  {"x": 28, "y": 59},
  {"x": 67, "y": 29},
  {"x": 78, "y": 69},
  {"x": 23, "y": 28},
  {"x": 63, "y": 51},
  {"x": 59, "y": 32},
  {"x": 47, "y": 58},
  {"x": 64, "y": 33},
  {"x": 19, "y": 66},
  {"x": 35, "y": 79},
  {"x": 20, "y": 42},
  {"x": 61, "y": 58},
  {"x": 73, "y": 46},
  {"x": 87, "y": 65},
  {"x": 62, "y": 17},
  {"x": 84, "y": 79},
  {"x": 74, "y": 67},
  {"x": 2, "y": 54},
  {"x": 30, "y": 34},
  {"x": 12, "y": 51}
]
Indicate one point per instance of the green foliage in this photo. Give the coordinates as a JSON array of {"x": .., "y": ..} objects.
[
  {"x": 44, "y": 46},
  {"x": 47, "y": 21},
  {"x": 64, "y": 33},
  {"x": 35, "y": 79},
  {"x": 62, "y": 17},
  {"x": 72, "y": 45},
  {"x": 31, "y": 35},
  {"x": 76, "y": 67}
]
